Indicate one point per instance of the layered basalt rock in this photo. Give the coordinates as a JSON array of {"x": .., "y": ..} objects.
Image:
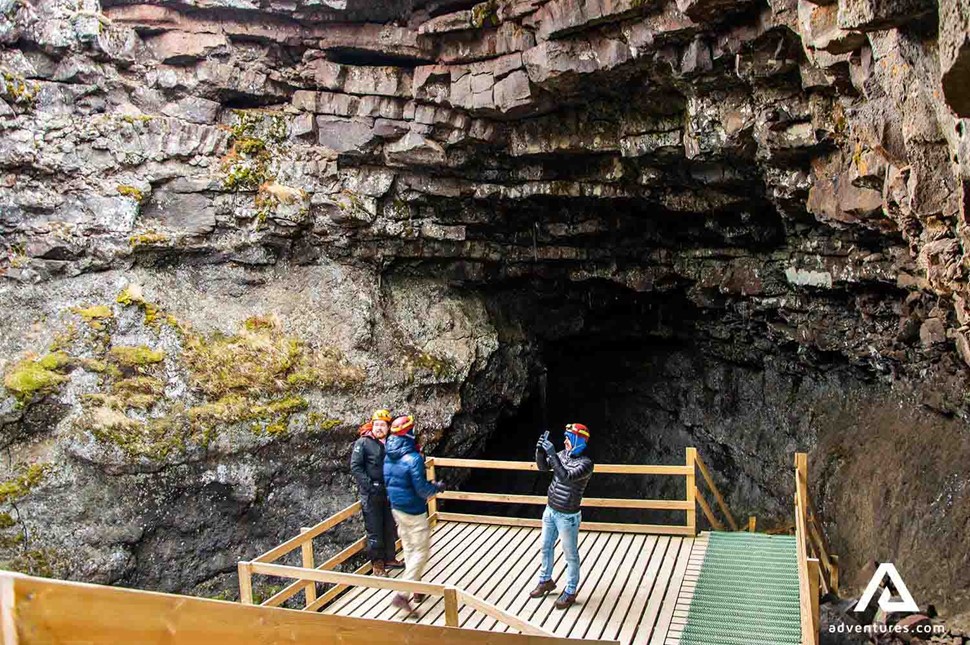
[{"x": 793, "y": 173}]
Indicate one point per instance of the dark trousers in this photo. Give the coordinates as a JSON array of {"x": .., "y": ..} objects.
[{"x": 380, "y": 527}]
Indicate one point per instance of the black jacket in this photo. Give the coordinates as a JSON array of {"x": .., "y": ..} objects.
[
  {"x": 367, "y": 465},
  {"x": 570, "y": 476}
]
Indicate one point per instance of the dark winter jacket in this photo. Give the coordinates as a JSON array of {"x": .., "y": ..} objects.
[
  {"x": 407, "y": 486},
  {"x": 570, "y": 476},
  {"x": 367, "y": 465}
]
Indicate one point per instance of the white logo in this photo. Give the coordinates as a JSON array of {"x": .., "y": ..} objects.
[{"x": 906, "y": 602}]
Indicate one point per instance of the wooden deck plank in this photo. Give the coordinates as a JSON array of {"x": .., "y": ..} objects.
[
  {"x": 490, "y": 570},
  {"x": 614, "y": 576},
  {"x": 354, "y": 597},
  {"x": 523, "y": 577},
  {"x": 636, "y": 588},
  {"x": 650, "y": 580},
  {"x": 649, "y": 617},
  {"x": 374, "y": 598},
  {"x": 589, "y": 586},
  {"x": 673, "y": 594},
  {"x": 588, "y": 570},
  {"x": 598, "y": 617},
  {"x": 446, "y": 569},
  {"x": 353, "y": 594},
  {"x": 535, "y": 610},
  {"x": 518, "y": 566},
  {"x": 483, "y": 566}
]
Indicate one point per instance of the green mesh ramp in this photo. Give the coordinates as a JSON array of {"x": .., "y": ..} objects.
[{"x": 746, "y": 593}]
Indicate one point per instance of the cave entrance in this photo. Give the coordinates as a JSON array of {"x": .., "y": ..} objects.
[{"x": 604, "y": 363}]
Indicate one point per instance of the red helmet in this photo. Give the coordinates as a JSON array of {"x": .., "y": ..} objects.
[
  {"x": 578, "y": 428},
  {"x": 402, "y": 425}
]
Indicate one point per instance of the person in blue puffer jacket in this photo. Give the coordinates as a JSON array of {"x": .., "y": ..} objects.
[{"x": 408, "y": 490}]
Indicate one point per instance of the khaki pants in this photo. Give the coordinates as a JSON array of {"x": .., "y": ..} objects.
[{"x": 415, "y": 535}]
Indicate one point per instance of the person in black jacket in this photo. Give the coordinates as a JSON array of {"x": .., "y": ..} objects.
[
  {"x": 367, "y": 466},
  {"x": 571, "y": 471}
]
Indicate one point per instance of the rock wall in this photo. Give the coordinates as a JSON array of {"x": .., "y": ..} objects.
[{"x": 229, "y": 229}]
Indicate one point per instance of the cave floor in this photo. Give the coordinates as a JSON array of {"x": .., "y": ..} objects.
[{"x": 635, "y": 588}]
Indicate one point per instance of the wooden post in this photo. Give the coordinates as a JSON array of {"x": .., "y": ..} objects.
[
  {"x": 801, "y": 467},
  {"x": 433, "y": 502},
  {"x": 307, "y": 550},
  {"x": 245, "y": 583},
  {"x": 813, "y": 583},
  {"x": 691, "y": 488},
  {"x": 451, "y": 607},
  {"x": 752, "y": 523}
]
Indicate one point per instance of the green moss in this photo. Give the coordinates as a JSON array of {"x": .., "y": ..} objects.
[
  {"x": 29, "y": 478},
  {"x": 95, "y": 316},
  {"x": 93, "y": 365},
  {"x": 131, "y": 296},
  {"x": 140, "y": 385},
  {"x": 317, "y": 422},
  {"x": 32, "y": 377},
  {"x": 428, "y": 363},
  {"x": 154, "y": 439},
  {"x": 262, "y": 361},
  {"x": 485, "y": 14},
  {"x": 44, "y": 562},
  {"x": 15, "y": 89},
  {"x": 137, "y": 356},
  {"x": 260, "y": 323},
  {"x": 6, "y": 521},
  {"x": 64, "y": 339},
  {"x": 131, "y": 191},
  {"x": 151, "y": 238}
]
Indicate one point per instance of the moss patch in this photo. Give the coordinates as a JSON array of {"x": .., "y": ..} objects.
[
  {"x": 29, "y": 478},
  {"x": 44, "y": 562},
  {"x": 150, "y": 238},
  {"x": 260, "y": 360},
  {"x": 33, "y": 377},
  {"x": 132, "y": 296},
  {"x": 96, "y": 316},
  {"x": 135, "y": 357},
  {"x": 131, "y": 191}
]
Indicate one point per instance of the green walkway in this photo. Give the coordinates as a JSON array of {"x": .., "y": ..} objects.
[{"x": 746, "y": 593}]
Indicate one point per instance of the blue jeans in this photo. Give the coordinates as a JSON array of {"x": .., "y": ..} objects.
[{"x": 566, "y": 526}]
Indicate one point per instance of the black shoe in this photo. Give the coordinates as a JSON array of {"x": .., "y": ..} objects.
[
  {"x": 418, "y": 598},
  {"x": 400, "y": 602},
  {"x": 542, "y": 589},
  {"x": 565, "y": 600}
]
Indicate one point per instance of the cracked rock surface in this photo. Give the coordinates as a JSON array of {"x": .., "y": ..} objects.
[{"x": 229, "y": 229}]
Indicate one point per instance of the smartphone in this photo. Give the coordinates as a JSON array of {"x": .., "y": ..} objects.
[{"x": 545, "y": 435}]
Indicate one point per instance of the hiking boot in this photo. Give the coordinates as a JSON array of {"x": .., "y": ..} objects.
[
  {"x": 418, "y": 598},
  {"x": 377, "y": 568},
  {"x": 565, "y": 600},
  {"x": 400, "y": 602},
  {"x": 393, "y": 564},
  {"x": 542, "y": 589}
]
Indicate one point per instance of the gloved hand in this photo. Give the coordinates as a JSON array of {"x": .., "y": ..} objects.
[
  {"x": 377, "y": 487},
  {"x": 440, "y": 486},
  {"x": 546, "y": 446}
]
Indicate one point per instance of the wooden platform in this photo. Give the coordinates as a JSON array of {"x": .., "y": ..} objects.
[{"x": 632, "y": 589}]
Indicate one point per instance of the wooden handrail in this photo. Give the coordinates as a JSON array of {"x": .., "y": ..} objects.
[
  {"x": 451, "y": 594},
  {"x": 296, "y": 542},
  {"x": 813, "y": 572},
  {"x": 291, "y": 590},
  {"x": 598, "y": 502},
  {"x": 601, "y": 469},
  {"x": 706, "y": 474},
  {"x": 492, "y": 611}
]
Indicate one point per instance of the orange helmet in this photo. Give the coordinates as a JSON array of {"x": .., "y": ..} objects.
[
  {"x": 382, "y": 415},
  {"x": 578, "y": 428},
  {"x": 402, "y": 425},
  {"x": 365, "y": 428}
]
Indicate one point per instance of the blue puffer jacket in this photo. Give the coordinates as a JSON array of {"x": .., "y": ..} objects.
[{"x": 404, "y": 477}]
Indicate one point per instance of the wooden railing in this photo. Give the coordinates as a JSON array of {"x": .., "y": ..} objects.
[
  {"x": 818, "y": 569},
  {"x": 693, "y": 496},
  {"x": 306, "y": 576},
  {"x": 35, "y": 611}
]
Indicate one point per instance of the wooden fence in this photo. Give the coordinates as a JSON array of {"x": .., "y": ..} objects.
[
  {"x": 37, "y": 611},
  {"x": 818, "y": 569},
  {"x": 693, "y": 496}
]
